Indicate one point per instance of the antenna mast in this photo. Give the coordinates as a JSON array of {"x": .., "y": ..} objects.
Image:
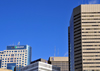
[
  {"x": 55, "y": 51},
  {"x": 18, "y": 43}
]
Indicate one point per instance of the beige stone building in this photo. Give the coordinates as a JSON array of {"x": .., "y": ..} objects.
[
  {"x": 84, "y": 37},
  {"x": 61, "y": 62},
  {"x": 1, "y": 69}
]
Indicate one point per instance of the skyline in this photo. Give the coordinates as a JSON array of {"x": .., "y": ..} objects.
[{"x": 41, "y": 24}]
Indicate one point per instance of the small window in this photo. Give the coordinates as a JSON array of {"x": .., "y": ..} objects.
[
  {"x": 11, "y": 61},
  {"x": 15, "y": 51},
  {"x": 12, "y": 54}
]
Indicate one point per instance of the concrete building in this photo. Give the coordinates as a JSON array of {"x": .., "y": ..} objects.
[
  {"x": 15, "y": 57},
  {"x": 61, "y": 62},
  {"x": 1, "y": 69},
  {"x": 40, "y": 65},
  {"x": 84, "y": 38}
]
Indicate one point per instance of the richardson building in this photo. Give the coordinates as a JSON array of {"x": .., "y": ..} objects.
[
  {"x": 84, "y": 38},
  {"x": 15, "y": 57},
  {"x": 40, "y": 65}
]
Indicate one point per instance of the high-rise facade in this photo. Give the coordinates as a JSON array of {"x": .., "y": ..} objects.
[
  {"x": 84, "y": 38},
  {"x": 61, "y": 62},
  {"x": 15, "y": 57}
]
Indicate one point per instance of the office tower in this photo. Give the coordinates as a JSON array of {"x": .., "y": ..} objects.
[
  {"x": 15, "y": 57},
  {"x": 85, "y": 38},
  {"x": 40, "y": 65},
  {"x": 1, "y": 69},
  {"x": 61, "y": 62}
]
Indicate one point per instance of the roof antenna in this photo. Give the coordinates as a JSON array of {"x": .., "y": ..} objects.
[
  {"x": 58, "y": 52},
  {"x": 82, "y": 1},
  {"x": 19, "y": 43},
  {"x": 85, "y": 1},
  {"x": 66, "y": 53},
  {"x": 55, "y": 51}
]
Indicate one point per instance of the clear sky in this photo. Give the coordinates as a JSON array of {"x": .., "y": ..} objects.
[{"x": 42, "y": 24}]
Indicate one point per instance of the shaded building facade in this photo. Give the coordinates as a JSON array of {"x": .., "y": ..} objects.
[{"x": 84, "y": 38}]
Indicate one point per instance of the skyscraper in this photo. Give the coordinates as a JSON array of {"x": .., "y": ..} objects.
[
  {"x": 84, "y": 38},
  {"x": 15, "y": 57},
  {"x": 61, "y": 62}
]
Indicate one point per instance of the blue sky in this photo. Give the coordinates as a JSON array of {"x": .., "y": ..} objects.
[{"x": 42, "y": 24}]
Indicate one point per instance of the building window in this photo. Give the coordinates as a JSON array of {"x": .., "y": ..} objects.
[{"x": 12, "y": 54}]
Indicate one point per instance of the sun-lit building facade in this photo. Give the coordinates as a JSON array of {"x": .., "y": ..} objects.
[
  {"x": 84, "y": 38},
  {"x": 1, "y": 69},
  {"x": 40, "y": 66},
  {"x": 15, "y": 57}
]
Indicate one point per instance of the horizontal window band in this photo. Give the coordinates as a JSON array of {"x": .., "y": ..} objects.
[
  {"x": 90, "y": 22},
  {"x": 90, "y": 35},
  {"x": 91, "y": 52},
  {"x": 90, "y": 12}
]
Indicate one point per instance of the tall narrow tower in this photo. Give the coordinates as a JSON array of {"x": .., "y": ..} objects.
[{"x": 84, "y": 38}]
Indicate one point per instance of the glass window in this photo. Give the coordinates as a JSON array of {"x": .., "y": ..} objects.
[
  {"x": 11, "y": 60},
  {"x": 12, "y": 54},
  {"x": 15, "y": 51}
]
